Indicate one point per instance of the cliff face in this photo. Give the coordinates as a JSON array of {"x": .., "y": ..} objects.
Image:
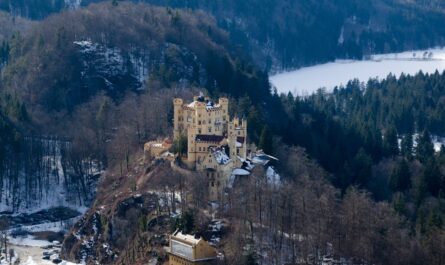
[{"x": 126, "y": 225}]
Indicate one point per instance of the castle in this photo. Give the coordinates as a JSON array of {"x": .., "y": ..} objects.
[{"x": 215, "y": 144}]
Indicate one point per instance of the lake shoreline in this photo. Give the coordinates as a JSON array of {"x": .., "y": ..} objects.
[{"x": 307, "y": 80}]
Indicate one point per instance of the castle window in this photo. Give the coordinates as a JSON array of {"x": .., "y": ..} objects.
[
  {"x": 199, "y": 122},
  {"x": 213, "y": 184},
  {"x": 199, "y": 131},
  {"x": 210, "y": 129}
]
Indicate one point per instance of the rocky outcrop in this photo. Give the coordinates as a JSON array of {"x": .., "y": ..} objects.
[
  {"x": 130, "y": 232},
  {"x": 126, "y": 225}
]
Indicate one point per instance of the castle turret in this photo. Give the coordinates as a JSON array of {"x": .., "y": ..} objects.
[
  {"x": 237, "y": 138},
  {"x": 224, "y": 103},
  {"x": 191, "y": 138},
  {"x": 177, "y": 118}
]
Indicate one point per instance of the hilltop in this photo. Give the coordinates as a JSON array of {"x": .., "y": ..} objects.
[{"x": 288, "y": 34}]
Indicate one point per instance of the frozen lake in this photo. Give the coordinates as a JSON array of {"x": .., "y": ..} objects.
[{"x": 307, "y": 80}]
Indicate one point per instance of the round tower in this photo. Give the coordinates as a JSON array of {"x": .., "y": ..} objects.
[{"x": 177, "y": 105}]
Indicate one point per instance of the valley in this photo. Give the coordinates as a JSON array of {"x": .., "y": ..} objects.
[
  {"x": 126, "y": 126},
  {"x": 307, "y": 80}
]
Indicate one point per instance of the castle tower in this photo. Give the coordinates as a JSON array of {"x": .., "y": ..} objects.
[
  {"x": 237, "y": 139},
  {"x": 178, "y": 118},
  {"x": 224, "y": 103},
  {"x": 191, "y": 144}
]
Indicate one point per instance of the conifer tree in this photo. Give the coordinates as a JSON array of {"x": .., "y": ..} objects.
[
  {"x": 432, "y": 177},
  {"x": 407, "y": 146},
  {"x": 424, "y": 148},
  {"x": 391, "y": 146},
  {"x": 266, "y": 140},
  {"x": 400, "y": 177}
]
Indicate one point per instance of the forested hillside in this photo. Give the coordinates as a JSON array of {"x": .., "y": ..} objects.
[
  {"x": 289, "y": 34},
  {"x": 103, "y": 78},
  {"x": 81, "y": 91},
  {"x": 96, "y": 51}
]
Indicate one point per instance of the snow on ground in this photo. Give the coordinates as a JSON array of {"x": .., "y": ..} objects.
[
  {"x": 273, "y": 177},
  {"x": 29, "y": 241},
  {"x": 73, "y": 4},
  {"x": 32, "y": 255},
  {"x": 307, "y": 80},
  {"x": 50, "y": 227},
  {"x": 436, "y": 140},
  {"x": 30, "y": 250},
  {"x": 54, "y": 194}
]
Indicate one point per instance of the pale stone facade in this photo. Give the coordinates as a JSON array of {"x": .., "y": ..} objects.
[
  {"x": 215, "y": 143},
  {"x": 154, "y": 149},
  {"x": 187, "y": 250}
]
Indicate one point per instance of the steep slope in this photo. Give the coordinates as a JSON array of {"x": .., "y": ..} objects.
[
  {"x": 124, "y": 48},
  {"x": 127, "y": 224},
  {"x": 101, "y": 80},
  {"x": 11, "y": 25},
  {"x": 295, "y": 33},
  {"x": 36, "y": 9}
]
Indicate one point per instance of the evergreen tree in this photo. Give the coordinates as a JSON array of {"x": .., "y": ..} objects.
[
  {"x": 266, "y": 140},
  {"x": 399, "y": 203},
  {"x": 400, "y": 177},
  {"x": 424, "y": 148},
  {"x": 391, "y": 146},
  {"x": 362, "y": 165},
  {"x": 180, "y": 145},
  {"x": 185, "y": 223},
  {"x": 407, "y": 146},
  {"x": 434, "y": 220},
  {"x": 432, "y": 177}
]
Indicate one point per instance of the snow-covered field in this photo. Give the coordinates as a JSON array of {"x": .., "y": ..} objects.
[
  {"x": 30, "y": 251},
  {"x": 32, "y": 255},
  {"x": 307, "y": 80}
]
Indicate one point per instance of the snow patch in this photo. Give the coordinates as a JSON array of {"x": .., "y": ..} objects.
[
  {"x": 273, "y": 177},
  {"x": 221, "y": 157},
  {"x": 306, "y": 80},
  {"x": 72, "y": 4}
]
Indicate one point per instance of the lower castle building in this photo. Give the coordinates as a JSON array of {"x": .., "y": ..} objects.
[{"x": 188, "y": 250}]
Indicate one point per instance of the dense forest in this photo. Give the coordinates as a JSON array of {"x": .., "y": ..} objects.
[
  {"x": 81, "y": 91},
  {"x": 93, "y": 81},
  {"x": 289, "y": 34}
]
